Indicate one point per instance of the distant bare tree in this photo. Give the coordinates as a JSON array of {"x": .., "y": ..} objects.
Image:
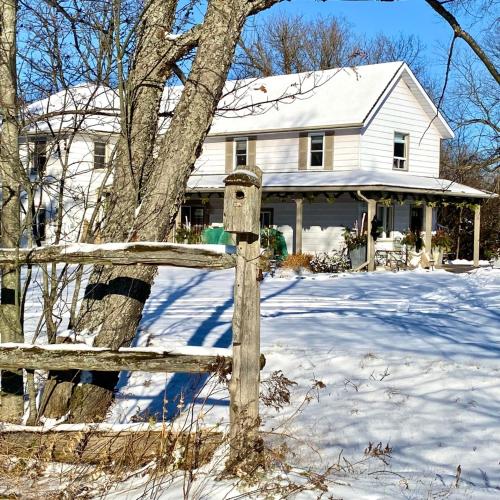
[{"x": 287, "y": 44}]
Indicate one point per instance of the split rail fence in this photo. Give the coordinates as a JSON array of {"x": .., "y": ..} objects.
[{"x": 242, "y": 202}]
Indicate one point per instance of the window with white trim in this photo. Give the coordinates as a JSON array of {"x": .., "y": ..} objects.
[
  {"x": 400, "y": 161},
  {"x": 316, "y": 149},
  {"x": 240, "y": 152},
  {"x": 99, "y": 155}
]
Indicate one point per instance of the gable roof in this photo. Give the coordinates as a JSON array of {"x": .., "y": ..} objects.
[{"x": 335, "y": 98}]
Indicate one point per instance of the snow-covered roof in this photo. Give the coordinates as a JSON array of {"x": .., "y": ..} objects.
[
  {"x": 357, "y": 179},
  {"x": 335, "y": 98},
  {"x": 85, "y": 107}
]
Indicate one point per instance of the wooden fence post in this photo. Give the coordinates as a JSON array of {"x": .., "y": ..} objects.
[{"x": 242, "y": 200}]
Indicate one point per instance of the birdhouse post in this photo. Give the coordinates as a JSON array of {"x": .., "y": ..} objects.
[{"x": 242, "y": 200}]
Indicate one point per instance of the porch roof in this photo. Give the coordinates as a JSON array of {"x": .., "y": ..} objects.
[{"x": 353, "y": 180}]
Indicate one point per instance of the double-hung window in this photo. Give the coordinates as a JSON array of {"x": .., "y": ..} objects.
[
  {"x": 316, "y": 149},
  {"x": 99, "y": 154},
  {"x": 400, "y": 161},
  {"x": 240, "y": 152}
]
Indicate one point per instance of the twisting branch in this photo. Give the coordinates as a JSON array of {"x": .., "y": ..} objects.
[{"x": 461, "y": 33}]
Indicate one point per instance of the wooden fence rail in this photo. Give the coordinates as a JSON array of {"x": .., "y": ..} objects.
[
  {"x": 120, "y": 254},
  {"x": 82, "y": 357},
  {"x": 242, "y": 201}
]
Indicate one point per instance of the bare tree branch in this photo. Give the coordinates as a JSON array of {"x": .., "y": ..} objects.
[{"x": 461, "y": 33}]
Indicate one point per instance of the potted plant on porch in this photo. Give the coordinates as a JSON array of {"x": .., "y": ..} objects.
[
  {"x": 441, "y": 243},
  {"x": 414, "y": 244},
  {"x": 355, "y": 241}
]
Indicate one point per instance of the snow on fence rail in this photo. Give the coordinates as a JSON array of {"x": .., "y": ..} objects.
[
  {"x": 83, "y": 357},
  {"x": 119, "y": 254},
  {"x": 242, "y": 201}
]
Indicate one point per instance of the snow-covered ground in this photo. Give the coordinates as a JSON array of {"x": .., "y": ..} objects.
[{"x": 410, "y": 359}]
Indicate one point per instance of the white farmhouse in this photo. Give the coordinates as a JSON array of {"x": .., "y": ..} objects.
[{"x": 337, "y": 148}]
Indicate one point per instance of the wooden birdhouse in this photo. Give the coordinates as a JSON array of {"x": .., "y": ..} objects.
[{"x": 242, "y": 198}]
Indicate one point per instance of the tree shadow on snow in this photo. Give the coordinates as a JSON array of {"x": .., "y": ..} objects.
[{"x": 183, "y": 389}]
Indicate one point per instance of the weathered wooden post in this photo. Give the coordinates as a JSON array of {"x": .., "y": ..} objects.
[{"x": 242, "y": 199}]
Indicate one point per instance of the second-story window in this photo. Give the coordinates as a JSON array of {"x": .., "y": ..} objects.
[
  {"x": 400, "y": 151},
  {"x": 240, "y": 152},
  {"x": 316, "y": 149},
  {"x": 39, "y": 160},
  {"x": 99, "y": 154}
]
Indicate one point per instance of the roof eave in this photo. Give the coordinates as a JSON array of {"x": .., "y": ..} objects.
[{"x": 364, "y": 187}]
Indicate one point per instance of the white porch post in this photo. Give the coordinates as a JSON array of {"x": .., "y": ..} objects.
[
  {"x": 428, "y": 231},
  {"x": 477, "y": 233},
  {"x": 299, "y": 210},
  {"x": 370, "y": 246}
]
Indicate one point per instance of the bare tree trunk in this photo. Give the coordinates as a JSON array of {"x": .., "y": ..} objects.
[
  {"x": 121, "y": 293},
  {"x": 139, "y": 121},
  {"x": 11, "y": 401},
  {"x": 166, "y": 187}
]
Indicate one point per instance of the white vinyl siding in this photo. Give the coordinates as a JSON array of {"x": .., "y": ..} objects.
[
  {"x": 277, "y": 152},
  {"x": 323, "y": 223},
  {"x": 346, "y": 149},
  {"x": 401, "y": 112},
  {"x": 212, "y": 159}
]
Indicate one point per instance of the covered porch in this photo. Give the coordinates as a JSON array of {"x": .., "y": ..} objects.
[{"x": 313, "y": 208}]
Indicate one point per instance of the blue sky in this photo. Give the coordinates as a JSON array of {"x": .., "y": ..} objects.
[{"x": 391, "y": 18}]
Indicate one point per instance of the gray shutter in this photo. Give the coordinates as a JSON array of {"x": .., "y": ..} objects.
[
  {"x": 229, "y": 160},
  {"x": 328, "y": 153},
  {"x": 252, "y": 151},
  {"x": 303, "y": 147}
]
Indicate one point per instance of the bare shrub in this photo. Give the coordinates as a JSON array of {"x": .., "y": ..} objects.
[
  {"x": 297, "y": 261},
  {"x": 276, "y": 390}
]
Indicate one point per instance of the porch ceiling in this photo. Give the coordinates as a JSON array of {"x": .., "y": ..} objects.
[{"x": 349, "y": 181}]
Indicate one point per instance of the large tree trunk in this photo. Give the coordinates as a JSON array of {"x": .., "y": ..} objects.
[
  {"x": 11, "y": 401},
  {"x": 139, "y": 102},
  {"x": 121, "y": 293}
]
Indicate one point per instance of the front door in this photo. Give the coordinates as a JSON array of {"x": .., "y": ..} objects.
[{"x": 416, "y": 224}]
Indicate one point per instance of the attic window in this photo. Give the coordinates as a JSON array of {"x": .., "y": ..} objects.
[
  {"x": 400, "y": 161},
  {"x": 99, "y": 155},
  {"x": 240, "y": 152},
  {"x": 316, "y": 150}
]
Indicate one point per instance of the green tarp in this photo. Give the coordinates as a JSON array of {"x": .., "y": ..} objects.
[{"x": 216, "y": 236}]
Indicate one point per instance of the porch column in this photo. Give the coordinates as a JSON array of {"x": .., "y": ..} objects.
[
  {"x": 299, "y": 210},
  {"x": 428, "y": 231},
  {"x": 178, "y": 222},
  {"x": 370, "y": 242},
  {"x": 477, "y": 233}
]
